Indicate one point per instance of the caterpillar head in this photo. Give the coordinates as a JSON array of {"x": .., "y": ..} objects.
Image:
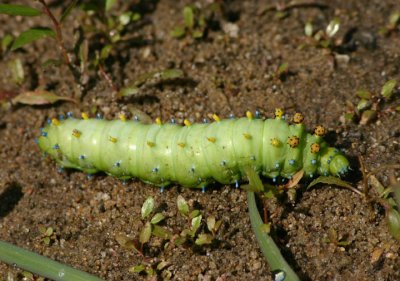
[{"x": 333, "y": 162}]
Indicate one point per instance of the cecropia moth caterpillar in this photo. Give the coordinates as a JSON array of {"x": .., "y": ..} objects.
[{"x": 193, "y": 155}]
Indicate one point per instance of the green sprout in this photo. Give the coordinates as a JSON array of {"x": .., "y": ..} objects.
[
  {"x": 323, "y": 38},
  {"x": 194, "y": 24},
  {"x": 370, "y": 105},
  {"x": 151, "y": 228},
  {"x": 389, "y": 198},
  {"x": 48, "y": 235},
  {"x": 392, "y": 25}
]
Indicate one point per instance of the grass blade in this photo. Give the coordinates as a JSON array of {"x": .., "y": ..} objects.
[
  {"x": 41, "y": 265},
  {"x": 19, "y": 10},
  {"x": 268, "y": 247},
  {"x": 31, "y": 35}
]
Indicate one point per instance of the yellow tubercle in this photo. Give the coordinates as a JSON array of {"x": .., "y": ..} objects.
[
  {"x": 150, "y": 144},
  {"x": 181, "y": 144},
  {"x": 249, "y": 115},
  {"x": 298, "y": 118},
  {"x": 216, "y": 118},
  {"x": 76, "y": 133},
  {"x": 293, "y": 141},
  {"x": 211, "y": 139},
  {"x": 158, "y": 121},
  {"x": 55, "y": 122},
  {"x": 279, "y": 113},
  {"x": 315, "y": 147},
  {"x": 187, "y": 122},
  {"x": 85, "y": 116},
  {"x": 112, "y": 139},
  {"x": 275, "y": 142},
  {"x": 320, "y": 131},
  {"x": 122, "y": 117},
  {"x": 247, "y": 136}
]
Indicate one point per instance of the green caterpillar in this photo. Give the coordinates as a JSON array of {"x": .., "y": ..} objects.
[{"x": 193, "y": 155}]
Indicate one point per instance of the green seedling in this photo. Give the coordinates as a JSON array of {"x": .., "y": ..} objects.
[
  {"x": 324, "y": 38},
  {"x": 194, "y": 24},
  {"x": 392, "y": 25},
  {"x": 151, "y": 228},
  {"x": 334, "y": 238},
  {"x": 389, "y": 198},
  {"x": 151, "y": 269},
  {"x": 48, "y": 235},
  {"x": 370, "y": 105}
]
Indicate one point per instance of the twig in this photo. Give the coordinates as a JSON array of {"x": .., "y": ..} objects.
[
  {"x": 57, "y": 28},
  {"x": 108, "y": 78}
]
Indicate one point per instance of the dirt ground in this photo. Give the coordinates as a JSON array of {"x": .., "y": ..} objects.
[{"x": 224, "y": 73}]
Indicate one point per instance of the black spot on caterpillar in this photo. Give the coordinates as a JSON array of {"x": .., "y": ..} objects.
[{"x": 193, "y": 155}]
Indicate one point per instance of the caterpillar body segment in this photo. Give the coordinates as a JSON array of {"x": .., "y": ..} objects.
[{"x": 193, "y": 155}]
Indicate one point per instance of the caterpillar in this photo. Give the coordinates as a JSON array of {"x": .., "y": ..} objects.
[{"x": 193, "y": 155}]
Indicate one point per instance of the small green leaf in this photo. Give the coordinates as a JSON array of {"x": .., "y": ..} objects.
[
  {"x": 367, "y": 117},
  {"x": 211, "y": 223},
  {"x": 333, "y": 27},
  {"x": 150, "y": 272},
  {"x": 183, "y": 206},
  {"x": 157, "y": 218},
  {"x": 145, "y": 234},
  {"x": 349, "y": 116},
  {"x": 194, "y": 213},
  {"x": 42, "y": 229},
  {"x": 308, "y": 29},
  {"x": 6, "y": 42},
  {"x": 188, "y": 17},
  {"x": 161, "y": 232},
  {"x": 388, "y": 88},
  {"x": 197, "y": 34},
  {"x": 128, "y": 91},
  {"x": 147, "y": 207},
  {"x": 162, "y": 265},
  {"x": 109, "y": 4},
  {"x": 330, "y": 180},
  {"x": 136, "y": 17},
  {"x": 196, "y": 222},
  {"x": 105, "y": 51},
  {"x": 40, "y": 97},
  {"x": 171, "y": 74},
  {"x": 49, "y": 231},
  {"x": 394, "y": 18},
  {"x": 283, "y": 68},
  {"x": 363, "y": 104},
  {"x": 19, "y": 10},
  {"x": 364, "y": 94},
  {"x": 178, "y": 32},
  {"x": 68, "y": 10},
  {"x": 203, "y": 239},
  {"x": 393, "y": 221},
  {"x": 17, "y": 71},
  {"x": 137, "y": 268},
  {"x": 125, "y": 18},
  {"x": 180, "y": 240},
  {"x": 31, "y": 35},
  {"x": 47, "y": 240}
]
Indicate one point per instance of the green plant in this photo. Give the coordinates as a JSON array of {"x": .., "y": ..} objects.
[
  {"x": 323, "y": 38},
  {"x": 194, "y": 24},
  {"x": 370, "y": 105}
]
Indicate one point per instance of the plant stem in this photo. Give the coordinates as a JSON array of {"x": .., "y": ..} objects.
[
  {"x": 268, "y": 247},
  {"x": 57, "y": 28},
  {"x": 41, "y": 265}
]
